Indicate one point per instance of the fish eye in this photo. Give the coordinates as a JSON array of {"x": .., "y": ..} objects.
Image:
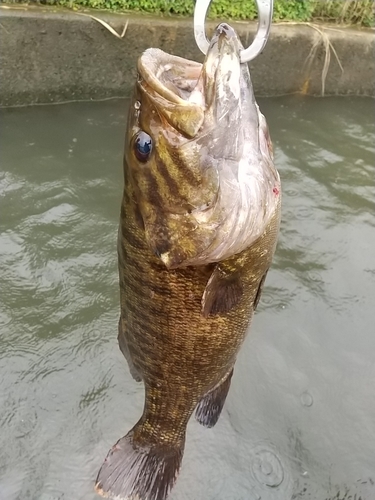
[{"x": 142, "y": 146}]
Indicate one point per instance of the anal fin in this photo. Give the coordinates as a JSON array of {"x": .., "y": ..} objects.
[{"x": 209, "y": 408}]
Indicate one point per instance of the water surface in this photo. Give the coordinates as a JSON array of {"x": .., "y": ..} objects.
[{"x": 299, "y": 422}]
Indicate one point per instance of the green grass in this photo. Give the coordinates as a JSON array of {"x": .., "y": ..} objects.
[{"x": 353, "y": 12}]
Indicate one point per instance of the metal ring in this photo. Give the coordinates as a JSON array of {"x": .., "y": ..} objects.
[{"x": 265, "y": 10}]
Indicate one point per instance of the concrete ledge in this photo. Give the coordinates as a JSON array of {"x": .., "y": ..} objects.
[{"x": 49, "y": 56}]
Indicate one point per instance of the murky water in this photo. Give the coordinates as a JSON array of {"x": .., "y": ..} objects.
[{"x": 299, "y": 422}]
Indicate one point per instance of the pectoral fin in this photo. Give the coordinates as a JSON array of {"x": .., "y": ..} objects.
[{"x": 223, "y": 292}]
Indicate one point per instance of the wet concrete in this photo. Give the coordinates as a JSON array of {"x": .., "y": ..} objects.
[
  {"x": 299, "y": 420},
  {"x": 54, "y": 56}
]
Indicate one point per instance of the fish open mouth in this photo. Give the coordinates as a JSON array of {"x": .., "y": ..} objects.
[
  {"x": 173, "y": 77},
  {"x": 212, "y": 154},
  {"x": 191, "y": 87}
]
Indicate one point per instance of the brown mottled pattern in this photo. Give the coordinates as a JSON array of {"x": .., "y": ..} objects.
[
  {"x": 179, "y": 354},
  {"x": 180, "y": 166}
]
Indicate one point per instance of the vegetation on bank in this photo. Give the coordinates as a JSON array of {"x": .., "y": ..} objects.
[{"x": 355, "y": 12}]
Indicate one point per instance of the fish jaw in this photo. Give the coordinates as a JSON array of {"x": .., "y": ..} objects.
[{"x": 241, "y": 148}]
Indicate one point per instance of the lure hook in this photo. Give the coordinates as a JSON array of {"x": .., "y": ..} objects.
[{"x": 265, "y": 10}]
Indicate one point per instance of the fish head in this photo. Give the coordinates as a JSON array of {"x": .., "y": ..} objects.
[{"x": 198, "y": 154}]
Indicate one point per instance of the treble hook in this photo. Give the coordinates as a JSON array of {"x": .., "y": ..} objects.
[{"x": 265, "y": 9}]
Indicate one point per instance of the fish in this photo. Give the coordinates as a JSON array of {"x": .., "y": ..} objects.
[{"x": 199, "y": 223}]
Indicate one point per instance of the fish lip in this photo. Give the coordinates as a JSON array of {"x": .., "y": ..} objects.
[
  {"x": 224, "y": 42},
  {"x": 221, "y": 67},
  {"x": 226, "y": 38}
]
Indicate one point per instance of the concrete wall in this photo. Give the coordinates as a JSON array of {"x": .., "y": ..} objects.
[{"x": 49, "y": 56}]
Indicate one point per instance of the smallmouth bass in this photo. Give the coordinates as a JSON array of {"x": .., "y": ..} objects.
[{"x": 199, "y": 222}]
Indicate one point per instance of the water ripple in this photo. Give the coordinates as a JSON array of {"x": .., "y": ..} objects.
[{"x": 298, "y": 416}]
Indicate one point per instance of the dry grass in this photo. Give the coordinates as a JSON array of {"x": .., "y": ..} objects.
[
  {"x": 322, "y": 39},
  {"x": 107, "y": 26}
]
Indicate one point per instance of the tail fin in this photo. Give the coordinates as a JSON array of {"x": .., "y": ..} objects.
[{"x": 132, "y": 472}]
